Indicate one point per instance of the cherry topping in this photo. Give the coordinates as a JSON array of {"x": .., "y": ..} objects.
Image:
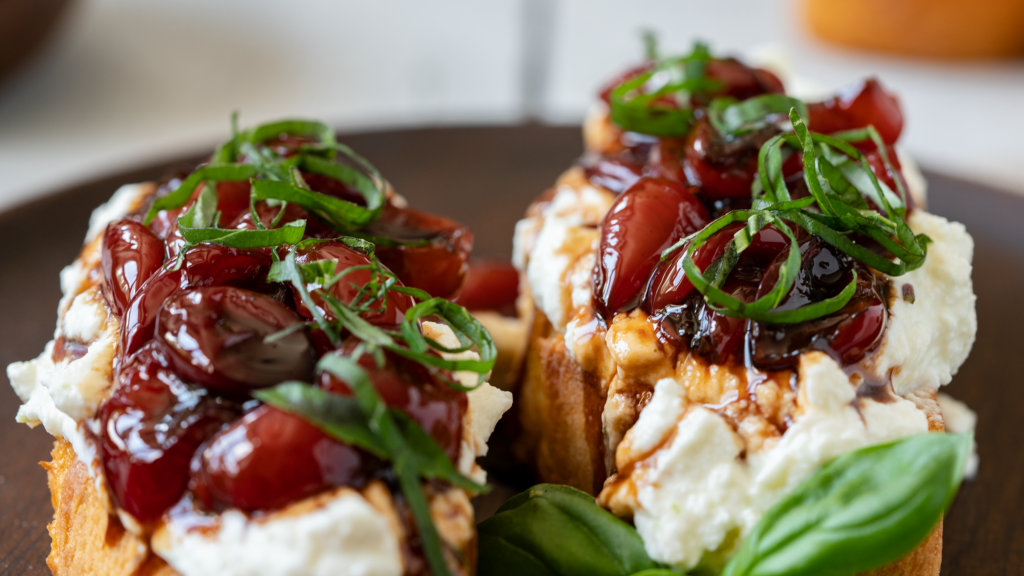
[
  {"x": 139, "y": 319},
  {"x": 723, "y": 169},
  {"x": 131, "y": 254},
  {"x": 741, "y": 81},
  {"x": 640, "y": 224},
  {"x": 491, "y": 285},
  {"x": 410, "y": 387},
  {"x": 847, "y": 335},
  {"x": 269, "y": 459},
  {"x": 149, "y": 429},
  {"x": 346, "y": 289},
  {"x": 440, "y": 265},
  {"x": 216, "y": 265},
  {"x": 215, "y": 337},
  {"x": 859, "y": 106}
]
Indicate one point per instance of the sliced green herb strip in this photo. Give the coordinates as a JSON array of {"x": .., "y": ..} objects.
[
  {"x": 308, "y": 128},
  {"x": 862, "y": 510},
  {"x": 340, "y": 416},
  {"x": 408, "y": 464},
  {"x": 636, "y": 108},
  {"x": 730, "y": 117},
  {"x": 180, "y": 196},
  {"x": 337, "y": 213},
  {"x": 553, "y": 530},
  {"x": 290, "y": 233}
]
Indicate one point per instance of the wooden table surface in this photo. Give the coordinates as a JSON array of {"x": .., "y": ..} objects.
[{"x": 485, "y": 177}]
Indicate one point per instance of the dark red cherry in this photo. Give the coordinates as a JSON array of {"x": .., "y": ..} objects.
[
  {"x": 149, "y": 429},
  {"x": 216, "y": 265},
  {"x": 410, "y": 387},
  {"x": 131, "y": 254},
  {"x": 269, "y": 459},
  {"x": 722, "y": 169},
  {"x": 641, "y": 223},
  {"x": 615, "y": 173},
  {"x": 606, "y": 90},
  {"x": 491, "y": 285},
  {"x": 232, "y": 199},
  {"x": 269, "y": 214},
  {"x": 347, "y": 289},
  {"x": 440, "y": 265},
  {"x": 215, "y": 337},
  {"x": 859, "y": 106},
  {"x": 139, "y": 319},
  {"x": 741, "y": 81},
  {"x": 848, "y": 335},
  {"x": 670, "y": 284}
]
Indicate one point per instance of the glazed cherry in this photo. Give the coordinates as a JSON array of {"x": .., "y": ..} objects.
[
  {"x": 346, "y": 290},
  {"x": 741, "y": 81},
  {"x": 615, "y": 173},
  {"x": 723, "y": 169},
  {"x": 491, "y": 285},
  {"x": 139, "y": 318},
  {"x": 440, "y": 265},
  {"x": 639, "y": 225},
  {"x": 669, "y": 284},
  {"x": 216, "y": 265},
  {"x": 131, "y": 254},
  {"x": 269, "y": 459},
  {"x": 859, "y": 106},
  {"x": 847, "y": 335},
  {"x": 215, "y": 337},
  {"x": 410, "y": 387},
  {"x": 149, "y": 429},
  {"x": 204, "y": 265}
]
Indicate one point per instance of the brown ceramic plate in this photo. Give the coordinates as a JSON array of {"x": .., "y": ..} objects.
[{"x": 485, "y": 177}]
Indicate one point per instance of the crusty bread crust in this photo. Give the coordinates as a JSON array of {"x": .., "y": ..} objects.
[
  {"x": 560, "y": 408},
  {"x": 86, "y": 539}
]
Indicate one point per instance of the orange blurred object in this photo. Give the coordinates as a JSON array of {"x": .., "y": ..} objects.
[{"x": 936, "y": 28}]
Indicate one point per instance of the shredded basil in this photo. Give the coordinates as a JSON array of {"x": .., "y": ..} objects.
[
  {"x": 731, "y": 117},
  {"x": 637, "y": 104}
]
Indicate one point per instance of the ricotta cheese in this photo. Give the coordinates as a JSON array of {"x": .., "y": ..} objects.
[
  {"x": 928, "y": 339},
  {"x": 345, "y": 536},
  {"x": 697, "y": 495}
]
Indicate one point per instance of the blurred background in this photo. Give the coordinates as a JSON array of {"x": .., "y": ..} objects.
[{"x": 94, "y": 87}]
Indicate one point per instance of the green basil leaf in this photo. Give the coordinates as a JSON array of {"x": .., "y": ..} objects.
[
  {"x": 431, "y": 461},
  {"x": 290, "y": 233},
  {"x": 308, "y": 128},
  {"x": 180, "y": 196},
  {"x": 339, "y": 214},
  {"x": 862, "y": 510},
  {"x": 339, "y": 416},
  {"x": 553, "y": 530},
  {"x": 407, "y": 463},
  {"x": 730, "y": 117}
]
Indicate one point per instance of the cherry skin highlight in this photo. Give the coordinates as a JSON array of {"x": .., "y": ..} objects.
[
  {"x": 270, "y": 458},
  {"x": 215, "y": 337},
  {"x": 641, "y": 223},
  {"x": 149, "y": 429},
  {"x": 131, "y": 254}
]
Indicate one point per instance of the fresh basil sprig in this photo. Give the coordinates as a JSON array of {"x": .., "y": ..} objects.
[
  {"x": 835, "y": 209},
  {"x": 366, "y": 422},
  {"x": 862, "y": 510},
  {"x": 553, "y": 530},
  {"x": 731, "y": 117},
  {"x": 408, "y": 339},
  {"x": 637, "y": 104}
]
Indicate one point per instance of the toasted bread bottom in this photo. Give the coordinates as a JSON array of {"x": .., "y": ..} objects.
[
  {"x": 86, "y": 539},
  {"x": 560, "y": 408}
]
